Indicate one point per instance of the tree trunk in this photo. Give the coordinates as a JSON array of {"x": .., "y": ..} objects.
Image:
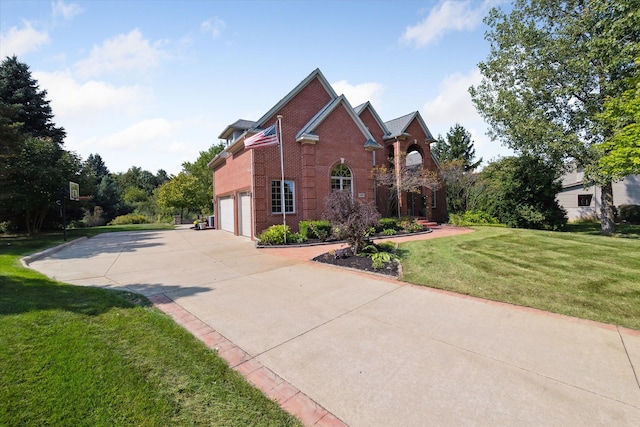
[{"x": 608, "y": 226}]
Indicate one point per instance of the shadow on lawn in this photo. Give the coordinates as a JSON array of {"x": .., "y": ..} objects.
[{"x": 19, "y": 295}]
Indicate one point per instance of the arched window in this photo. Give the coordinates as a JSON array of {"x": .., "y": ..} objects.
[{"x": 341, "y": 178}]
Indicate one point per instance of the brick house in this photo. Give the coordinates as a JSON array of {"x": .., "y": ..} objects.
[{"x": 327, "y": 144}]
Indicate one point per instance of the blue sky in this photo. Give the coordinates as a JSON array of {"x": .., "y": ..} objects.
[{"x": 153, "y": 83}]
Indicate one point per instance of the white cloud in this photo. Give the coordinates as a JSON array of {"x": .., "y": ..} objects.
[
  {"x": 71, "y": 99},
  {"x": 125, "y": 52},
  {"x": 453, "y": 103},
  {"x": 359, "y": 93},
  {"x": 449, "y": 15},
  {"x": 213, "y": 26},
  {"x": 65, "y": 10},
  {"x": 145, "y": 134},
  {"x": 18, "y": 41}
]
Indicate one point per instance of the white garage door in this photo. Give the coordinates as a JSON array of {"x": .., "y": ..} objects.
[
  {"x": 227, "y": 221},
  {"x": 244, "y": 215}
]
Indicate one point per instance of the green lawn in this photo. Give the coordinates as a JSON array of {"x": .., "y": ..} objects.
[
  {"x": 92, "y": 357},
  {"x": 576, "y": 273}
]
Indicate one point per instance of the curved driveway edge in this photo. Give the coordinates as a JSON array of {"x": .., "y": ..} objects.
[{"x": 362, "y": 350}]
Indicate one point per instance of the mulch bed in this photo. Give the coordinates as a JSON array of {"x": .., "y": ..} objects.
[{"x": 359, "y": 263}]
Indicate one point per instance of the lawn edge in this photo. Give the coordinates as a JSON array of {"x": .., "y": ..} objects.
[{"x": 26, "y": 260}]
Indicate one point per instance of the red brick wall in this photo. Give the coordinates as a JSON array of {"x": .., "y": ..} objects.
[
  {"x": 416, "y": 139},
  {"x": 231, "y": 178},
  {"x": 339, "y": 138},
  {"x": 295, "y": 115},
  {"x": 309, "y": 165}
]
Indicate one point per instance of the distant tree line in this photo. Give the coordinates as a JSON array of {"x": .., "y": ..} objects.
[{"x": 35, "y": 170}]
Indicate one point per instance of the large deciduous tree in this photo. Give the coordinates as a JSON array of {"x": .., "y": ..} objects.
[
  {"x": 180, "y": 193},
  {"x": 551, "y": 67},
  {"x": 200, "y": 170},
  {"x": 521, "y": 192},
  {"x": 621, "y": 153},
  {"x": 41, "y": 179}
]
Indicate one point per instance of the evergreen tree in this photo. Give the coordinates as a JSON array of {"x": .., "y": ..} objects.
[
  {"x": 19, "y": 89},
  {"x": 109, "y": 198},
  {"x": 97, "y": 165},
  {"x": 35, "y": 168},
  {"x": 457, "y": 146},
  {"x": 10, "y": 143}
]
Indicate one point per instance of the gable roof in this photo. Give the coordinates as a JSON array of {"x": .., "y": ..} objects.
[
  {"x": 314, "y": 74},
  {"x": 308, "y": 130},
  {"x": 367, "y": 106},
  {"x": 397, "y": 127}
]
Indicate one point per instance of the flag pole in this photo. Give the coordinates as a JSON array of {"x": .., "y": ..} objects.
[{"x": 282, "y": 201}]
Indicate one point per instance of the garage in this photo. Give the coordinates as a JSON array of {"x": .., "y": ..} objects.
[
  {"x": 227, "y": 219},
  {"x": 244, "y": 214}
]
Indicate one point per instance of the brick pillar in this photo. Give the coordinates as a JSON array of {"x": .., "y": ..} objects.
[{"x": 308, "y": 181}]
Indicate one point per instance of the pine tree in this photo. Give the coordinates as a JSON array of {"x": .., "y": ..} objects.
[
  {"x": 457, "y": 146},
  {"x": 33, "y": 112}
]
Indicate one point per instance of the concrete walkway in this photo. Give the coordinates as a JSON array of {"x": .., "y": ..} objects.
[{"x": 337, "y": 347}]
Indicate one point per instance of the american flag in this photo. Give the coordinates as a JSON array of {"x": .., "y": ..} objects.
[{"x": 263, "y": 138}]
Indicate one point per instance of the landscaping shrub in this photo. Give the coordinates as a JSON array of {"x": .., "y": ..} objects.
[
  {"x": 352, "y": 219},
  {"x": 410, "y": 225},
  {"x": 275, "y": 235},
  {"x": 303, "y": 226},
  {"x": 387, "y": 224},
  {"x": 319, "y": 229},
  {"x": 380, "y": 259},
  {"x": 129, "y": 219},
  {"x": 386, "y": 247},
  {"x": 629, "y": 213},
  {"x": 95, "y": 218},
  {"x": 473, "y": 218},
  {"x": 389, "y": 232}
]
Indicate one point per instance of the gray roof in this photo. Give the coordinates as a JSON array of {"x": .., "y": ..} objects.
[
  {"x": 240, "y": 124},
  {"x": 399, "y": 126},
  {"x": 359, "y": 108}
]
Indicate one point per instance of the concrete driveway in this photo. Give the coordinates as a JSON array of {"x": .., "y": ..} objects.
[{"x": 366, "y": 350}]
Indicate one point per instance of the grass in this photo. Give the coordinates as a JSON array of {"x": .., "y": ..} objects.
[
  {"x": 85, "y": 356},
  {"x": 576, "y": 273}
]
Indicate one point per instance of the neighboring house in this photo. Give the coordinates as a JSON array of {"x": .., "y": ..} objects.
[
  {"x": 327, "y": 144},
  {"x": 583, "y": 202}
]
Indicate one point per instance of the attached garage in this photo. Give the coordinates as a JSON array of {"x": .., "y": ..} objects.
[
  {"x": 226, "y": 215},
  {"x": 244, "y": 214}
]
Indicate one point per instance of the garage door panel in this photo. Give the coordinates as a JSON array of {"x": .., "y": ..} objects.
[
  {"x": 227, "y": 221},
  {"x": 245, "y": 215}
]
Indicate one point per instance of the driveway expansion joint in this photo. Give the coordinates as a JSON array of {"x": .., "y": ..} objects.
[{"x": 289, "y": 397}]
